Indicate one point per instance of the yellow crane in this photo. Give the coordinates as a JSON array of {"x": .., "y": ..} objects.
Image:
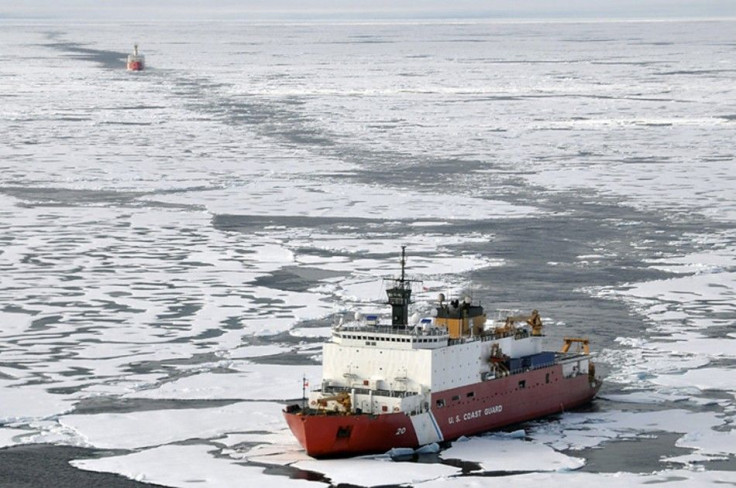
[
  {"x": 342, "y": 399},
  {"x": 583, "y": 345},
  {"x": 534, "y": 321}
]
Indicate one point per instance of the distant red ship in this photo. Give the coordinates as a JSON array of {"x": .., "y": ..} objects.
[
  {"x": 136, "y": 61},
  {"x": 389, "y": 386}
]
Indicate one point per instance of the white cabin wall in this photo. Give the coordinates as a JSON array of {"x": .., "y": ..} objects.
[
  {"x": 456, "y": 366},
  {"x": 574, "y": 368},
  {"x": 516, "y": 348},
  {"x": 380, "y": 366},
  {"x": 464, "y": 364},
  {"x": 435, "y": 369}
]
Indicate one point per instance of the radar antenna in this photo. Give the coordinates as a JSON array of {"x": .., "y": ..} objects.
[{"x": 399, "y": 296}]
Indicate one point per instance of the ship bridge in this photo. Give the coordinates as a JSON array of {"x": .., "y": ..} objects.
[{"x": 391, "y": 338}]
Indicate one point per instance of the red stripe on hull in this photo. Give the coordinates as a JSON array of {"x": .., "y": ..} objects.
[
  {"x": 504, "y": 401},
  {"x": 467, "y": 410}
]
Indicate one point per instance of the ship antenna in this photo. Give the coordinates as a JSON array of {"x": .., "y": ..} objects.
[
  {"x": 399, "y": 296},
  {"x": 403, "y": 263},
  {"x": 304, "y": 391}
]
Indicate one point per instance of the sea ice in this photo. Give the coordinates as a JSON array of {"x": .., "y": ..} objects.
[
  {"x": 8, "y": 436},
  {"x": 291, "y": 197},
  {"x": 250, "y": 382},
  {"x": 13, "y": 323},
  {"x": 576, "y": 431},
  {"x": 502, "y": 453},
  {"x": 116, "y": 265},
  {"x": 149, "y": 428},
  {"x": 644, "y": 397},
  {"x": 376, "y": 471},
  {"x": 311, "y": 332},
  {"x": 26, "y": 402},
  {"x": 247, "y": 352},
  {"x": 670, "y": 478},
  {"x": 188, "y": 466},
  {"x": 703, "y": 379}
]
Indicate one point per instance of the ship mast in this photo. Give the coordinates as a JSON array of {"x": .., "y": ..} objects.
[{"x": 399, "y": 296}]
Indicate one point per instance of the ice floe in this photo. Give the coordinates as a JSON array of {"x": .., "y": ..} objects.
[
  {"x": 580, "y": 430},
  {"x": 8, "y": 436},
  {"x": 188, "y": 466},
  {"x": 376, "y": 471},
  {"x": 20, "y": 402},
  {"x": 500, "y": 453},
  {"x": 249, "y": 381},
  {"x": 151, "y": 428},
  {"x": 674, "y": 478}
]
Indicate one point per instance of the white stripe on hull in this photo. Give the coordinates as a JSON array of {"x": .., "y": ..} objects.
[{"x": 426, "y": 428}]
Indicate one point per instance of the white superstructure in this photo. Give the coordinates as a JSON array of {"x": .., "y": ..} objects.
[{"x": 386, "y": 369}]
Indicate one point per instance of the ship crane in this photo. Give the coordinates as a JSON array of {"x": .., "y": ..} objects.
[
  {"x": 534, "y": 321},
  {"x": 582, "y": 344},
  {"x": 497, "y": 361},
  {"x": 342, "y": 399}
]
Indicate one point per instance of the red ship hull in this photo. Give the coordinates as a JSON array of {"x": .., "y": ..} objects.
[
  {"x": 135, "y": 66},
  {"x": 467, "y": 410},
  {"x": 347, "y": 435}
]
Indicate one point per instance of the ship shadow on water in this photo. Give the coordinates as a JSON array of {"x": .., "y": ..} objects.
[
  {"x": 294, "y": 473},
  {"x": 466, "y": 467},
  {"x": 108, "y": 59}
]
